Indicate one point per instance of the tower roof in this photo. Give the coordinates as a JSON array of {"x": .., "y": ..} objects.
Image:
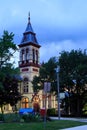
[
  {"x": 29, "y": 36},
  {"x": 29, "y": 26}
]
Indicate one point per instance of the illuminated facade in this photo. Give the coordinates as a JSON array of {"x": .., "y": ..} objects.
[
  {"x": 28, "y": 64},
  {"x": 29, "y": 67}
]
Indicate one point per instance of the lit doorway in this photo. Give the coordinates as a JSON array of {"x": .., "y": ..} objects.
[{"x": 25, "y": 102}]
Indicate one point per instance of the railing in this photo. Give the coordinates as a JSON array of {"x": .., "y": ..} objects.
[{"x": 27, "y": 63}]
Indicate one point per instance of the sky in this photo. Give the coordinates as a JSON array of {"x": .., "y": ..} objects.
[{"x": 60, "y": 25}]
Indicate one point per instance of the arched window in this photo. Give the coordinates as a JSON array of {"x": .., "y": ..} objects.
[
  {"x": 36, "y": 57},
  {"x": 23, "y": 55},
  {"x": 25, "y": 85},
  {"x": 27, "y": 51},
  {"x": 33, "y": 56},
  {"x": 25, "y": 102}
]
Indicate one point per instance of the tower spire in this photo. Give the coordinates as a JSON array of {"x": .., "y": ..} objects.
[{"x": 29, "y": 17}]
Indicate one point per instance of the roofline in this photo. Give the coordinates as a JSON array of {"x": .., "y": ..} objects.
[
  {"x": 29, "y": 64},
  {"x": 28, "y": 44}
]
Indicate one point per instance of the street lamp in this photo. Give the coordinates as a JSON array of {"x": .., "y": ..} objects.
[
  {"x": 47, "y": 87},
  {"x": 57, "y": 71}
]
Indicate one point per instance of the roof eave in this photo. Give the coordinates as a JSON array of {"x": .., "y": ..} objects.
[{"x": 28, "y": 44}]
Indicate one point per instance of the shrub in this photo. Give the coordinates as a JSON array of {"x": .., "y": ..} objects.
[
  {"x": 31, "y": 117},
  {"x": 11, "y": 117},
  {"x": 51, "y": 112},
  {"x": 84, "y": 110},
  {"x": 1, "y": 117}
]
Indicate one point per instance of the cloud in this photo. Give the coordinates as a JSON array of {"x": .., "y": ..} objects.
[
  {"x": 53, "y": 20},
  {"x": 53, "y": 49},
  {"x": 15, "y": 59},
  {"x": 58, "y": 24}
]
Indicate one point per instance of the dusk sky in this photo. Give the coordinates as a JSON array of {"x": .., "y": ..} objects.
[{"x": 59, "y": 24}]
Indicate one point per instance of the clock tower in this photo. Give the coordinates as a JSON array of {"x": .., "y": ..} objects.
[{"x": 28, "y": 63}]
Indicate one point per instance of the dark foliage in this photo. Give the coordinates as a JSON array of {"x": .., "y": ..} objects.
[
  {"x": 8, "y": 84},
  {"x": 9, "y": 93},
  {"x": 73, "y": 77},
  {"x": 47, "y": 73}
]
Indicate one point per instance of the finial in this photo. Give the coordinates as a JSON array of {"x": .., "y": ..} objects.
[{"x": 29, "y": 17}]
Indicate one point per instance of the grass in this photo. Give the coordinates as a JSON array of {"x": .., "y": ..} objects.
[{"x": 52, "y": 125}]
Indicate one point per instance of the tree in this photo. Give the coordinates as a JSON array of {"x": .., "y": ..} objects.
[
  {"x": 46, "y": 73},
  {"x": 73, "y": 75},
  {"x": 8, "y": 83},
  {"x": 9, "y": 93},
  {"x": 7, "y": 48}
]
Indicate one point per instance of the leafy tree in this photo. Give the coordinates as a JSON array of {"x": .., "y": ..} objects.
[
  {"x": 7, "y": 48},
  {"x": 8, "y": 83},
  {"x": 9, "y": 93},
  {"x": 73, "y": 75},
  {"x": 84, "y": 100},
  {"x": 46, "y": 73}
]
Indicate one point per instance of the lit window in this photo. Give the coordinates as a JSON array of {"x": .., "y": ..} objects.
[{"x": 25, "y": 102}]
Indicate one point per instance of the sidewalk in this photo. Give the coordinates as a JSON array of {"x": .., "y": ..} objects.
[
  {"x": 73, "y": 119},
  {"x": 84, "y": 127}
]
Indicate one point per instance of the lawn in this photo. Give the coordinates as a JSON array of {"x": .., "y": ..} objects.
[{"x": 52, "y": 125}]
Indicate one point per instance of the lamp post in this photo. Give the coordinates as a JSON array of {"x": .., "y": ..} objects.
[
  {"x": 57, "y": 71},
  {"x": 47, "y": 87}
]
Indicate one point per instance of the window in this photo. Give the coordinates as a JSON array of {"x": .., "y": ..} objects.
[
  {"x": 25, "y": 102},
  {"x": 27, "y": 51},
  {"x": 33, "y": 56},
  {"x": 25, "y": 89},
  {"x": 23, "y": 55},
  {"x": 25, "y": 85},
  {"x": 21, "y": 58},
  {"x": 36, "y": 57}
]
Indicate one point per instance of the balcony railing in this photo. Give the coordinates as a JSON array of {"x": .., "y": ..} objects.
[{"x": 28, "y": 63}]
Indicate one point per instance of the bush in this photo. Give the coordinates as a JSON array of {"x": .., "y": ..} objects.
[
  {"x": 84, "y": 110},
  {"x": 11, "y": 117},
  {"x": 51, "y": 112},
  {"x": 31, "y": 117},
  {"x": 1, "y": 117}
]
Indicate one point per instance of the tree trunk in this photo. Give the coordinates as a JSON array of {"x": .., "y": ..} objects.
[{"x": 2, "y": 111}]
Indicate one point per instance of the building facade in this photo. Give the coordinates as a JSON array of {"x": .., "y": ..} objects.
[{"x": 29, "y": 65}]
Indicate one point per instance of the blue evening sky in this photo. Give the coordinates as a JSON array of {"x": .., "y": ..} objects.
[{"x": 59, "y": 24}]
